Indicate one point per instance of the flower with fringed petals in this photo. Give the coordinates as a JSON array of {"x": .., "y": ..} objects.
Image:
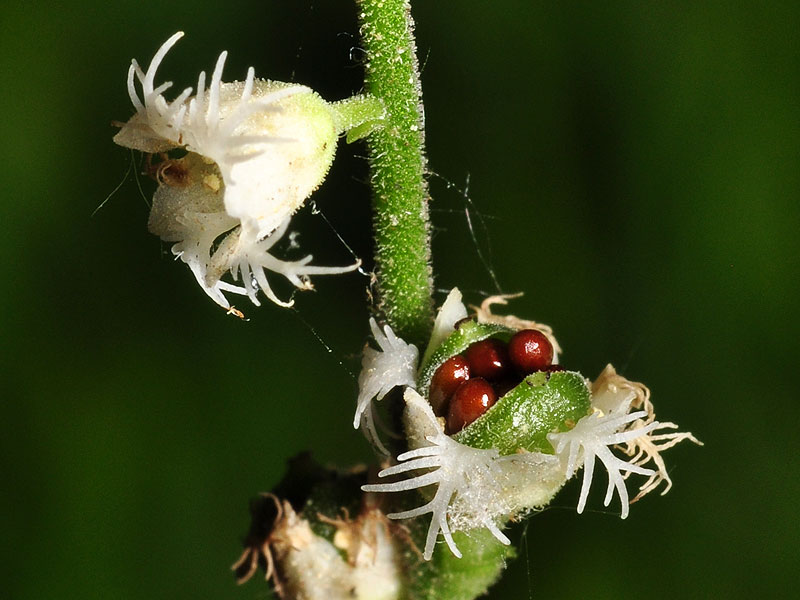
[{"x": 255, "y": 151}]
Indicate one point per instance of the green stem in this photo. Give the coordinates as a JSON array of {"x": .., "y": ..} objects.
[
  {"x": 402, "y": 257},
  {"x": 397, "y": 162}
]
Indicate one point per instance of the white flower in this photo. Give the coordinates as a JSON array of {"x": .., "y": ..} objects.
[
  {"x": 395, "y": 364},
  {"x": 256, "y": 150},
  {"x": 475, "y": 488}
]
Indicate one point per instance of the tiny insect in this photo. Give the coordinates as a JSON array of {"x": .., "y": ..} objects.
[{"x": 236, "y": 312}]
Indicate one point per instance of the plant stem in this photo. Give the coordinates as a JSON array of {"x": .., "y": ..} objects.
[
  {"x": 402, "y": 259},
  {"x": 397, "y": 162}
]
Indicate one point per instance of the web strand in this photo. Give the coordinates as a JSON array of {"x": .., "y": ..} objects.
[
  {"x": 321, "y": 340},
  {"x": 471, "y": 210}
]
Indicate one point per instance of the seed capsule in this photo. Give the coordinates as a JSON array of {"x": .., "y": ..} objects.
[
  {"x": 530, "y": 351},
  {"x": 451, "y": 374},
  {"x": 470, "y": 401},
  {"x": 488, "y": 359}
]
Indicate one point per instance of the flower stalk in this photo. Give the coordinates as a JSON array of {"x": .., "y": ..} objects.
[
  {"x": 397, "y": 163},
  {"x": 486, "y": 423}
]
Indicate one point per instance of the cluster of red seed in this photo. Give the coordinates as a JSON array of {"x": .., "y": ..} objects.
[{"x": 466, "y": 385}]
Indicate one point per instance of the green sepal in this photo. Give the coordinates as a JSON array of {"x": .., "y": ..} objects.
[
  {"x": 541, "y": 404},
  {"x": 466, "y": 334}
]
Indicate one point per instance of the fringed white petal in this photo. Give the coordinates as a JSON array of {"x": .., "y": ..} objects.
[
  {"x": 251, "y": 260},
  {"x": 474, "y": 487},
  {"x": 613, "y": 393},
  {"x": 647, "y": 449},
  {"x": 192, "y": 214},
  {"x": 217, "y": 127},
  {"x": 590, "y": 438},
  {"x": 269, "y": 158},
  {"x": 156, "y": 126},
  {"x": 200, "y": 124},
  {"x": 395, "y": 364},
  {"x": 195, "y": 251}
]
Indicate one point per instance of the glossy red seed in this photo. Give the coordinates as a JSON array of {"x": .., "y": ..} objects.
[
  {"x": 488, "y": 359},
  {"x": 470, "y": 401},
  {"x": 529, "y": 351},
  {"x": 451, "y": 374}
]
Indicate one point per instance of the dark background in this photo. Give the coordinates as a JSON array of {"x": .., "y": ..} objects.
[{"x": 637, "y": 169}]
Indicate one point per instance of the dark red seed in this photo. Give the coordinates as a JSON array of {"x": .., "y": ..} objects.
[
  {"x": 529, "y": 351},
  {"x": 488, "y": 359},
  {"x": 451, "y": 374},
  {"x": 471, "y": 400},
  {"x": 555, "y": 368}
]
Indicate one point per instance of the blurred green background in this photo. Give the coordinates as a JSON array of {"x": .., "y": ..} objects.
[{"x": 636, "y": 169}]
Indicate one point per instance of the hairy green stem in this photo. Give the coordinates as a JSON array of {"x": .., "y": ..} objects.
[
  {"x": 397, "y": 162},
  {"x": 402, "y": 257}
]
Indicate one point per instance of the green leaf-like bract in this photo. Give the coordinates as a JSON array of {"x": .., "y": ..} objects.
[{"x": 526, "y": 414}]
